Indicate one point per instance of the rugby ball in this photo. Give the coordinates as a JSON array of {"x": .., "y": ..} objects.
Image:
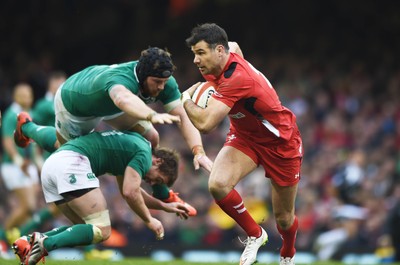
[{"x": 202, "y": 93}]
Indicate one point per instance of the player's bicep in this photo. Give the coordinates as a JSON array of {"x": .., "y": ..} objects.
[
  {"x": 125, "y": 100},
  {"x": 131, "y": 182},
  {"x": 117, "y": 92}
]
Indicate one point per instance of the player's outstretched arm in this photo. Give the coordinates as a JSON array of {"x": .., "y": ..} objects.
[
  {"x": 131, "y": 104},
  {"x": 130, "y": 189},
  {"x": 173, "y": 207},
  {"x": 193, "y": 139}
]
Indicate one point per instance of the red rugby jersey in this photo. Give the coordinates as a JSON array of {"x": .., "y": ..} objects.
[{"x": 256, "y": 111}]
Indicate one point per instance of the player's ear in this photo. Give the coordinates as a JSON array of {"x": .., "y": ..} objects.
[
  {"x": 220, "y": 48},
  {"x": 157, "y": 161}
]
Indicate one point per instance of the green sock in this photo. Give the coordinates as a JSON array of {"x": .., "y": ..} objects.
[
  {"x": 160, "y": 191},
  {"x": 56, "y": 231},
  {"x": 76, "y": 235},
  {"x": 89, "y": 247},
  {"x": 37, "y": 219},
  {"x": 44, "y": 136}
]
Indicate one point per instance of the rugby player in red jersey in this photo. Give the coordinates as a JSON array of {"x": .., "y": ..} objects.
[{"x": 262, "y": 133}]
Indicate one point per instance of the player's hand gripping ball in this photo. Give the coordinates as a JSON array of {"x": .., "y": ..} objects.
[{"x": 202, "y": 93}]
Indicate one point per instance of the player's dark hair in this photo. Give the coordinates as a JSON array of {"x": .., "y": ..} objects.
[
  {"x": 169, "y": 165},
  {"x": 211, "y": 33},
  {"x": 154, "y": 62}
]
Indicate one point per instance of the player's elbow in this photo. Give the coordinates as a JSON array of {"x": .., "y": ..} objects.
[
  {"x": 121, "y": 102},
  {"x": 130, "y": 194},
  {"x": 205, "y": 127},
  {"x": 204, "y": 130}
]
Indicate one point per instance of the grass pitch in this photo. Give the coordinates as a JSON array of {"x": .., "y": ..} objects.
[{"x": 144, "y": 261}]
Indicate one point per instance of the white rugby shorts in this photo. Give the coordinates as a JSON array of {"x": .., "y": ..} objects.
[
  {"x": 66, "y": 171},
  {"x": 70, "y": 126},
  {"x": 15, "y": 178}
]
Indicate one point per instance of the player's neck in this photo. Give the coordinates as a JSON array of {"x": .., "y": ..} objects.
[{"x": 222, "y": 65}]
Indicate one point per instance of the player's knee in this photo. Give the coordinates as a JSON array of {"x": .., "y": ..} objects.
[
  {"x": 284, "y": 220},
  {"x": 216, "y": 185},
  {"x": 218, "y": 189},
  {"x": 29, "y": 210},
  {"x": 147, "y": 130},
  {"x": 153, "y": 137},
  {"x": 101, "y": 225}
]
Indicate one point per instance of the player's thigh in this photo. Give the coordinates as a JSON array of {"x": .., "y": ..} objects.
[
  {"x": 89, "y": 203},
  {"x": 126, "y": 122},
  {"x": 69, "y": 213},
  {"x": 230, "y": 166},
  {"x": 121, "y": 121},
  {"x": 27, "y": 197}
]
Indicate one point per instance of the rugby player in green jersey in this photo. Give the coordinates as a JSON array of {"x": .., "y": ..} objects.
[
  {"x": 69, "y": 180},
  {"x": 43, "y": 110},
  {"x": 43, "y": 114},
  {"x": 18, "y": 172},
  {"x": 118, "y": 94}
]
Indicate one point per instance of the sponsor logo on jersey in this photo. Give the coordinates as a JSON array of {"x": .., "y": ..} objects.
[
  {"x": 91, "y": 176},
  {"x": 110, "y": 133},
  {"x": 216, "y": 94},
  {"x": 72, "y": 178},
  {"x": 238, "y": 115},
  {"x": 231, "y": 138}
]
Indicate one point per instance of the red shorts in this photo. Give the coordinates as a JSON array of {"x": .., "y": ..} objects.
[{"x": 281, "y": 162}]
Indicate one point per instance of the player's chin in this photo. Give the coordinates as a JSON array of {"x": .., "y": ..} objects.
[{"x": 155, "y": 93}]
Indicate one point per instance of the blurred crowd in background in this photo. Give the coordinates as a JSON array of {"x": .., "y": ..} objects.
[{"x": 335, "y": 64}]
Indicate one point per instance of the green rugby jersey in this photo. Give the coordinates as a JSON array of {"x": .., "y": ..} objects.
[
  {"x": 86, "y": 93},
  {"x": 43, "y": 111},
  {"x": 112, "y": 151}
]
